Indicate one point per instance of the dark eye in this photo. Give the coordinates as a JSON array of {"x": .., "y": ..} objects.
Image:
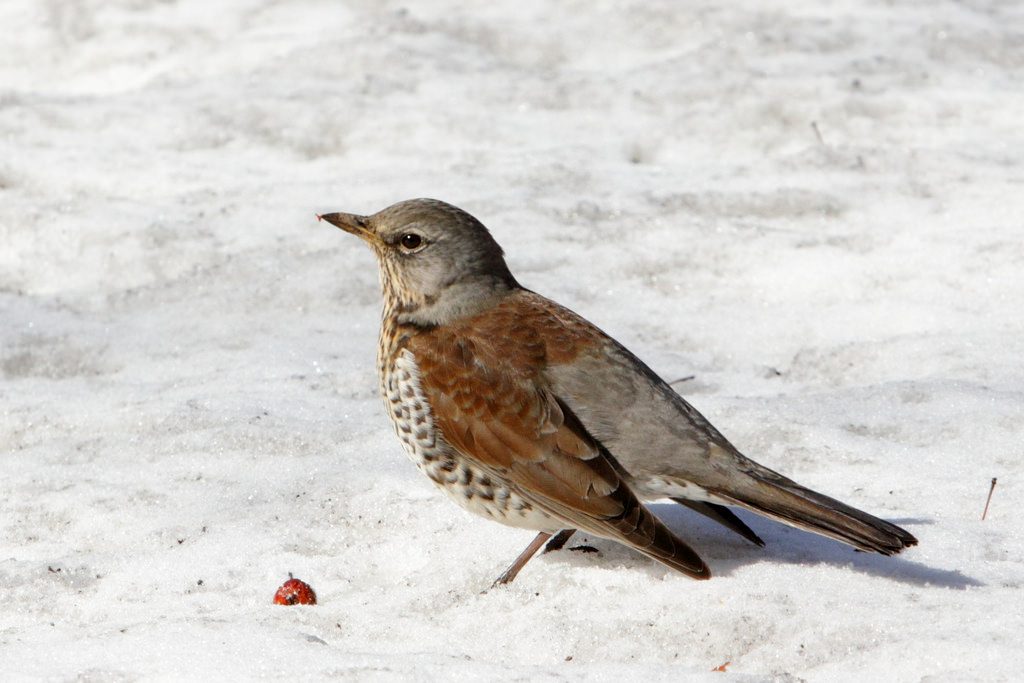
[{"x": 411, "y": 241}]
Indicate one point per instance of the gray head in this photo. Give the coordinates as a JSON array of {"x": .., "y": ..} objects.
[{"x": 437, "y": 263}]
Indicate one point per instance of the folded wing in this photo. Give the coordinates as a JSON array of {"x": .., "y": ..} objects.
[{"x": 494, "y": 408}]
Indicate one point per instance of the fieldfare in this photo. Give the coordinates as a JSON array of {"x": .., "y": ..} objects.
[{"x": 525, "y": 413}]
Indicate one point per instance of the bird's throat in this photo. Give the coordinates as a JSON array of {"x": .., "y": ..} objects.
[{"x": 457, "y": 301}]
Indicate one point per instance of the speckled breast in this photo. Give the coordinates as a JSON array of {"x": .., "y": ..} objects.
[{"x": 466, "y": 484}]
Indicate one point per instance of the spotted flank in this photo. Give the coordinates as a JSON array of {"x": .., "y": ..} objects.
[{"x": 467, "y": 485}]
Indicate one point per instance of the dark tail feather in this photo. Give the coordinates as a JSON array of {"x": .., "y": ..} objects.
[
  {"x": 723, "y": 516},
  {"x": 783, "y": 499}
]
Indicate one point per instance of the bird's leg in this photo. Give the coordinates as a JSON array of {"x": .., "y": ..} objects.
[
  {"x": 509, "y": 574},
  {"x": 558, "y": 540}
]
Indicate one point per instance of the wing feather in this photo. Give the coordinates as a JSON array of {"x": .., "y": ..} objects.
[{"x": 495, "y": 410}]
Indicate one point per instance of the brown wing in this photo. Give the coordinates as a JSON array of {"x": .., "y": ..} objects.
[{"x": 487, "y": 396}]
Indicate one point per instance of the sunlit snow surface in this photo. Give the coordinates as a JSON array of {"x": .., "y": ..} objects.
[{"x": 188, "y": 406}]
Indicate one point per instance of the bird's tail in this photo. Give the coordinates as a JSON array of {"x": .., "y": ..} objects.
[{"x": 775, "y": 496}]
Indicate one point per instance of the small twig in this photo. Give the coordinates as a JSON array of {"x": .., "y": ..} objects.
[
  {"x": 682, "y": 379},
  {"x": 817, "y": 133},
  {"x": 585, "y": 549},
  {"x": 989, "y": 500}
]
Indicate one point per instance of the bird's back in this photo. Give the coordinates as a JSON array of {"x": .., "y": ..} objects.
[{"x": 661, "y": 445}]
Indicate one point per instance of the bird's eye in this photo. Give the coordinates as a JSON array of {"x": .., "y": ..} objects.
[{"x": 411, "y": 241}]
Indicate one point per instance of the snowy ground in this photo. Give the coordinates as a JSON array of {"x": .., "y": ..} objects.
[{"x": 188, "y": 406}]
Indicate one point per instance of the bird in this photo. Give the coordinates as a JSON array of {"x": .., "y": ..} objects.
[{"x": 527, "y": 414}]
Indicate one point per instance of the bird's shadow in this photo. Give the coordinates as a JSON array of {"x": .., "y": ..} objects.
[{"x": 725, "y": 551}]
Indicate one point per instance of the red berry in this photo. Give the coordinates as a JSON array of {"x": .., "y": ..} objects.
[{"x": 294, "y": 592}]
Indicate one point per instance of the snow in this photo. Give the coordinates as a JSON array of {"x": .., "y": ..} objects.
[{"x": 188, "y": 406}]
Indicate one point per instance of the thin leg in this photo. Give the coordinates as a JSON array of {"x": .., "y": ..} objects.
[
  {"x": 558, "y": 540},
  {"x": 509, "y": 574}
]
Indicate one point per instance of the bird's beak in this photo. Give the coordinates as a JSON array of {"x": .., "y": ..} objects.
[{"x": 350, "y": 222}]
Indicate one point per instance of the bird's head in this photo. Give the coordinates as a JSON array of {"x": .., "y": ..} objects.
[{"x": 437, "y": 263}]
